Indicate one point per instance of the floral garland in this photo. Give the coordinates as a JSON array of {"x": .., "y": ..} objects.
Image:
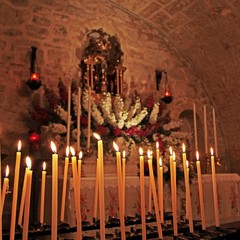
[{"x": 130, "y": 122}]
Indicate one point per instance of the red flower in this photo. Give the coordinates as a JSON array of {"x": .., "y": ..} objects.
[
  {"x": 62, "y": 91},
  {"x": 84, "y": 121},
  {"x": 117, "y": 132},
  {"x": 102, "y": 130},
  {"x": 40, "y": 114},
  {"x": 149, "y": 102}
]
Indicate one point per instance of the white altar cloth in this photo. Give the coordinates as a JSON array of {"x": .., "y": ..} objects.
[{"x": 228, "y": 197}]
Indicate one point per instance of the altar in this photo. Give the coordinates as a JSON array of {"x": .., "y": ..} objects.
[{"x": 228, "y": 198}]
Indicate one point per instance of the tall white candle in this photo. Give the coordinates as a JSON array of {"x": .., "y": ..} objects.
[
  {"x": 96, "y": 193},
  {"x": 215, "y": 132},
  {"x": 4, "y": 189},
  {"x": 120, "y": 197},
  {"x": 78, "y": 118},
  {"x": 80, "y": 155},
  {"x": 190, "y": 219},
  {"x": 64, "y": 187},
  {"x": 22, "y": 203},
  {"x": 89, "y": 118},
  {"x": 27, "y": 201},
  {"x": 43, "y": 186},
  {"x": 76, "y": 192},
  {"x": 124, "y": 179},
  {"x": 15, "y": 192},
  {"x": 184, "y": 157},
  {"x": 101, "y": 187},
  {"x": 69, "y": 115},
  {"x": 215, "y": 193},
  {"x": 54, "y": 192},
  {"x": 160, "y": 185},
  {"x": 154, "y": 192},
  {"x": 195, "y": 126},
  {"x": 174, "y": 196},
  {"x": 149, "y": 197},
  {"x": 205, "y": 129},
  {"x": 142, "y": 194},
  {"x": 200, "y": 191}
]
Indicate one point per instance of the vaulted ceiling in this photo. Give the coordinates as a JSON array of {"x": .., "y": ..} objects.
[{"x": 207, "y": 34}]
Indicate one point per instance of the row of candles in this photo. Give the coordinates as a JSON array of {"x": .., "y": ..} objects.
[
  {"x": 99, "y": 194},
  {"x": 100, "y": 185},
  {"x": 205, "y": 129}
]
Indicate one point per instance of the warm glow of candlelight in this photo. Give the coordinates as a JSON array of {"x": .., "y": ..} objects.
[
  {"x": 72, "y": 151},
  {"x": 187, "y": 163},
  {"x": 170, "y": 151},
  {"x": 149, "y": 153},
  {"x": 197, "y": 156},
  {"x": 96, "y": 136},
  {"x": 124, "y": 154},
  {"x": 28, "y": 162},
  {"x": 44, "y": 166},
  {"x": 19, "y": 146},
  {"x": 7, "y": 171},
  {"x": 67, "y": 151},
  {"x": 160, "y": 162},
  {"x": 183, "y": 148},
  {"x": 140, "y": 151},
  {"x": 80, "y": 155},
  {"x": 53, "y": 147},
  {"x": 174, "y": 156},
  {"x": 157, "y": 145},
  {"x": 211, "y": 150},
  {"x": 115, "y": 147}
]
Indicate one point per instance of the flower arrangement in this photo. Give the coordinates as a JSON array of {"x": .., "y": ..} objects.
[{"x": 130, "y": 122}]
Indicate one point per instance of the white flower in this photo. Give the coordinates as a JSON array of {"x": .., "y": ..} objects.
[
  {"x": 58, "y": 128},
  {"x": 96, "y": 114},
  {"x": 120, "y": 124},
  {"x": 173, "y": 125},
  {"x": 61, "y": 113},
  {"x": 154, "y": 114}
]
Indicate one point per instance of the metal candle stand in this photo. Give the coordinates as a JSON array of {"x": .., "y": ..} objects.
[{"x": 134, "y": 222}]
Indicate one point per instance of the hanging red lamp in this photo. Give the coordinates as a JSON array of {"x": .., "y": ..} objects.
[{"x": 34, "y": 81}]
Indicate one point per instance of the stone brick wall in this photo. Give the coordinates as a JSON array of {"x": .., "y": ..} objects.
[{"x": 58, "y": 29}]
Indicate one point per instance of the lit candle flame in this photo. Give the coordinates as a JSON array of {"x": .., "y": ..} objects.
[
  {"x": 115, "y": 147},
  {"x": 174, "y": 156},
  {"x": 211, "y": 150},
  {"x": 80, "y": 155},
  {"x": 197, "y": 155},
  {"x": 72, "y": 151},
  {"x": 67, "y": 151},
  {"x": 44, "y": 166},
  {"x": 149, "y": 153},
  {"x": 140, "y": 151},
  {"x": 124, "y": 154},
  {"x": 187, "y": 163},
  {"x": 53, "y": 147},
  {"x": 28, "y": 162},
  {"x": 183, "y": 148},
  {"x": 96, "y": 136},
  {"x": 19, "y": 146},
  {"x": 160, "y": 162},
  {"x": 157, "y": 145},
  {"x": 7, "y": 171},
  {"x": 170, "y": 150}
]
